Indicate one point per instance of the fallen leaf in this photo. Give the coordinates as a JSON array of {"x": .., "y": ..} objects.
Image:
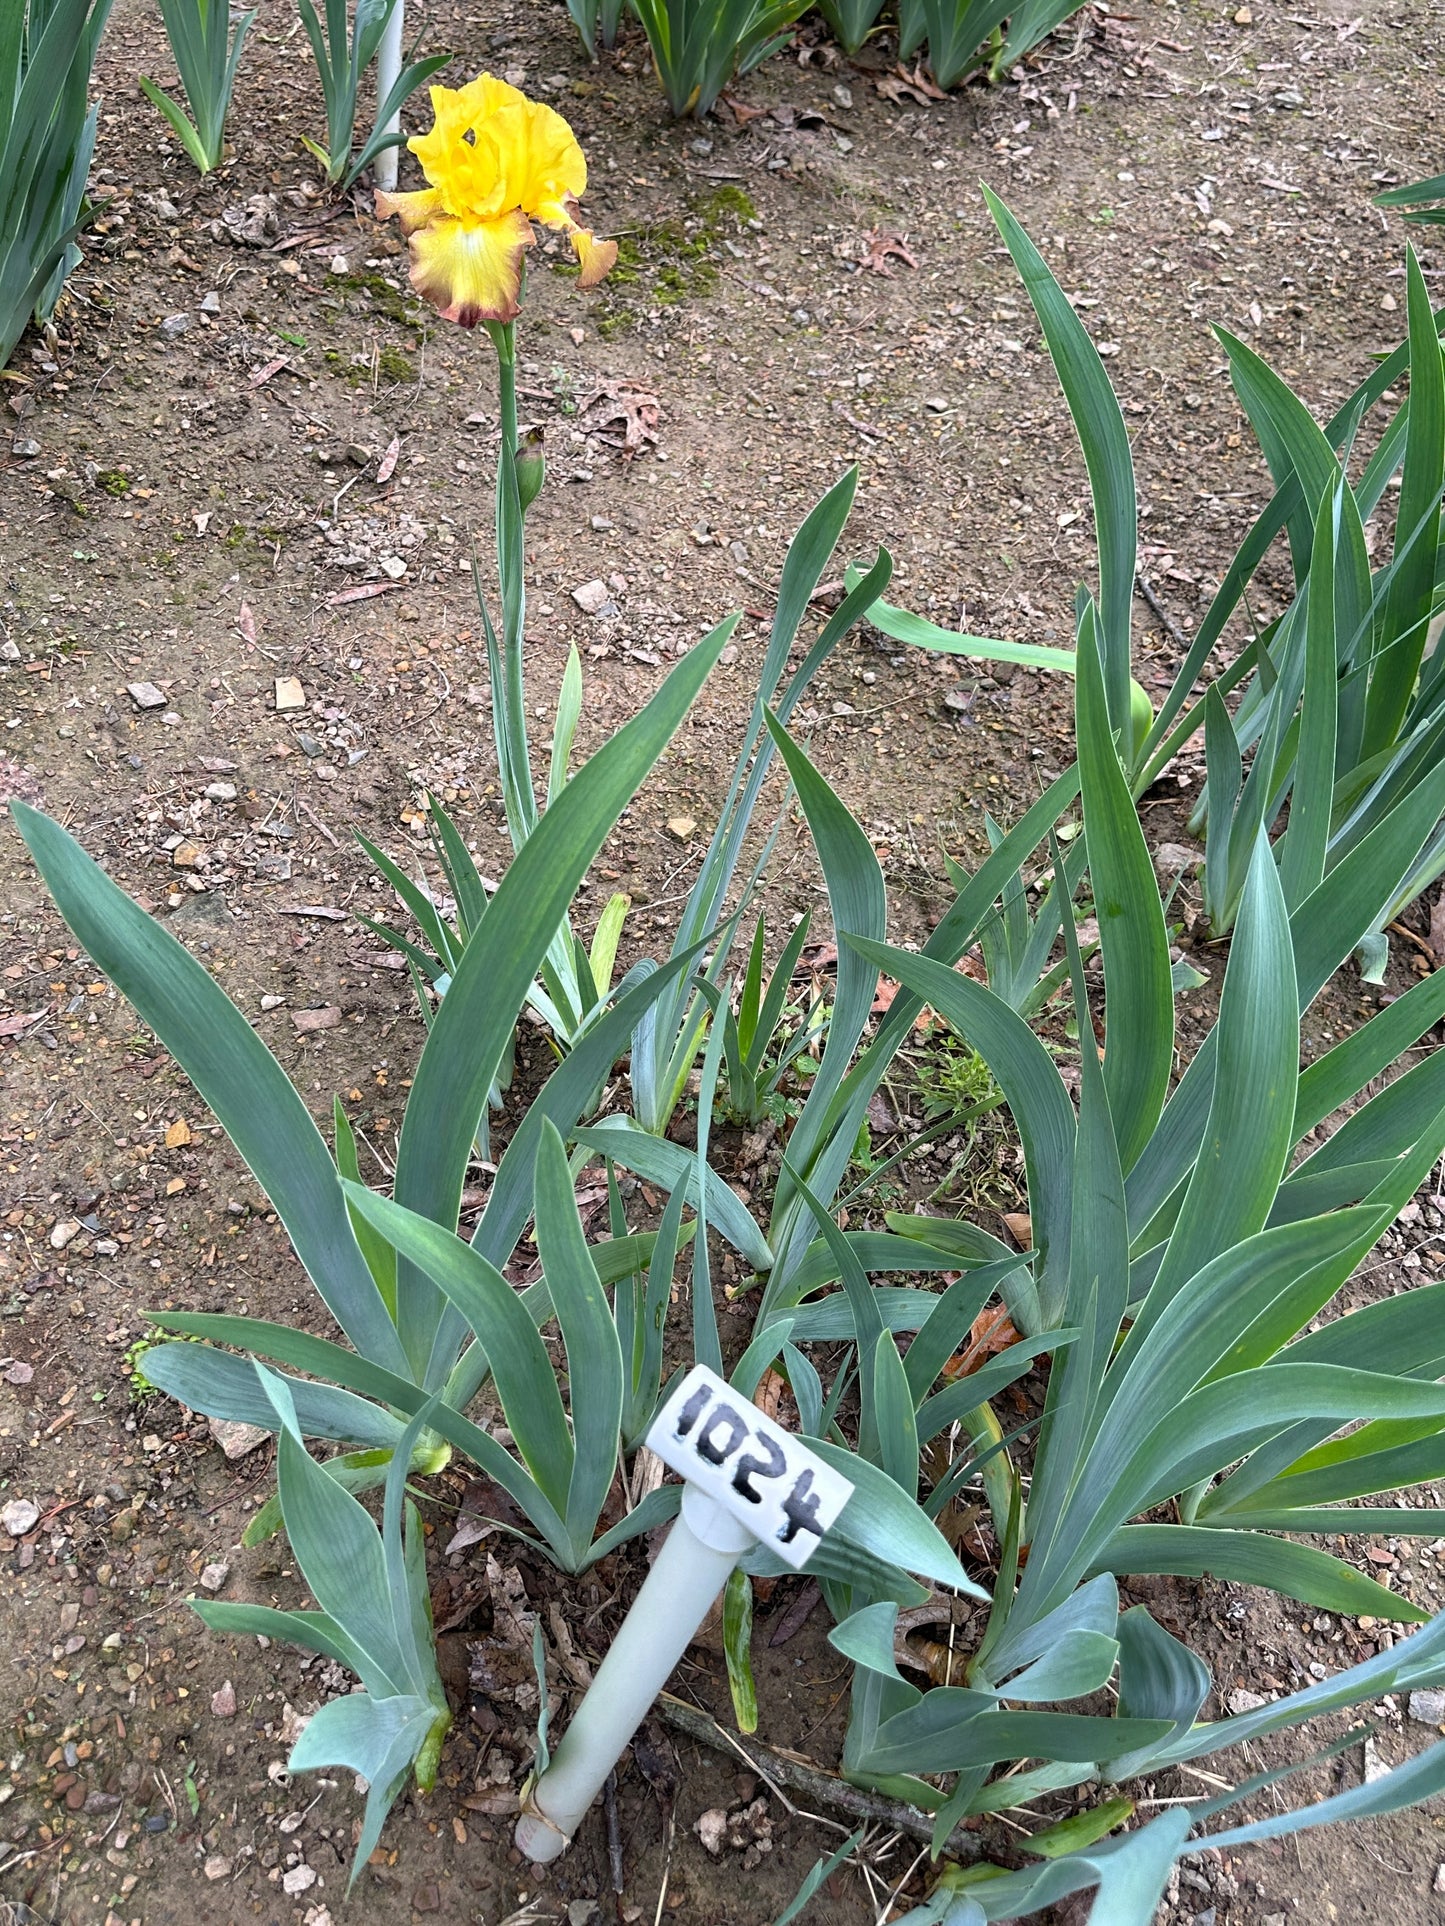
[
  {"x": 246, "y": 623},
  {"x": 501, "y": 1666},
  {"x": 362, "y": 592},
  {"x": 269, "y": 368},
  {"x": 883, "y": 247},
  {"x": 901, "y": 85},
  {"x": 1437, "y": 931},
  {"x": 769, "y": 1394},
  {"x": 626, "y": 402},
  {"x": 921, "y": 79},
  {"x": 455, "y": 1599},
  {"x": 20, "y": 1021},
  {"x": 387, "y": 465},
  {"x": 1019, "y": 1226},
  {"x": 741, "y": 113},
  {"x": 793, "y": 1619},
  {"x": 992, "y": 1331}
]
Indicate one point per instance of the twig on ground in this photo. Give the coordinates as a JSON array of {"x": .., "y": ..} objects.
[
  {"x": 614, "y": 1838},
  {"x": 666, "y": 1865},
  {"x": 1161, "y": 612},
  {"x": 813, "y": 1782}
]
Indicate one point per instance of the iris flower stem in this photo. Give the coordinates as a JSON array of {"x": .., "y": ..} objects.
[
  {"x": 511, "y": 570},
  {"x": 509, "y": 708}
]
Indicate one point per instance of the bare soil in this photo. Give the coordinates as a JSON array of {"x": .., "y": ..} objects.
[{"x": 190, "y": 497}]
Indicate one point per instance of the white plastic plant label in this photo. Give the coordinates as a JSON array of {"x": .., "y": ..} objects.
[{"x": 784, "y": 1494}]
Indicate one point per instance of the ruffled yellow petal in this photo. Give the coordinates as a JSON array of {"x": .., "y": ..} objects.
[
  {"x": 541, "y": 155},
  {"x": 486, "y": 95},
  {"x": 491, "y": 149},
  {"x": 413, "y": 210},
  {"x": 472, "y": 274},
  {"x": 460, "y": 159}
]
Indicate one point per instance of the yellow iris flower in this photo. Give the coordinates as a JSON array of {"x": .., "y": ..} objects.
[{"x": 496, "y": 162}]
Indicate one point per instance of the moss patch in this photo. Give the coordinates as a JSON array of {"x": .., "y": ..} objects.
[
  {"x": 668, "y": 262},
  {"x": 396, "y": 303}
]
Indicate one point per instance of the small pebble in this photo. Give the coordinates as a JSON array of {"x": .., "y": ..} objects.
[
  {"x": 145, "y": 695},
  {"x": 591, "y": 597},
  {"x": 1241, "y": 1701},
  {"x": 223, "y": 1703},
  {"x": 19, "y": 1516},
  {"x": 711, "y": 1830},
  {"x": 214, "y": 1576}
]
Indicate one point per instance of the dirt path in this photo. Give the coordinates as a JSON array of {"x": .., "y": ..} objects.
[{"x": 189, "y": 499}]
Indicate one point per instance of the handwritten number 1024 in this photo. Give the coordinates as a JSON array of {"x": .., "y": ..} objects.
[{"x": 721, "y": 1436}]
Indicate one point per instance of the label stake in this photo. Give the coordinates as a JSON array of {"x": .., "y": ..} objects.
[{"x": 747, "y": 1481}]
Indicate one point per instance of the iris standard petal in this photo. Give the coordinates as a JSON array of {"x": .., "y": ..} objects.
[
  {"x": 472, "y": 274},
  {"x": 542, "y": 156}
]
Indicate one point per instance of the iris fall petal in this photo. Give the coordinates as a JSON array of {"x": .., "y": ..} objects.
[
  {"x": 412, "y": 210},
  {"x": 598, "y": 258},
  {"x": 472, "y": 274}
]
